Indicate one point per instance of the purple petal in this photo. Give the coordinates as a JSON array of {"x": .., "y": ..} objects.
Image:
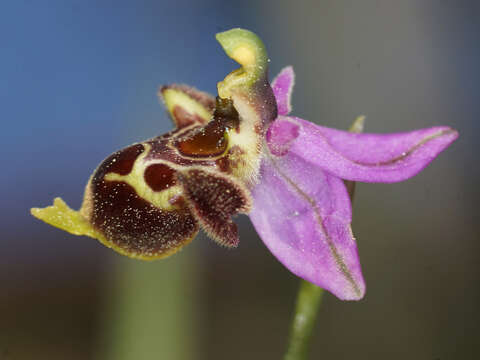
[
  {"x": 303, "y": 215},
  {"x": 282, "y": 87},
  {"x": 362, "y": 157}
]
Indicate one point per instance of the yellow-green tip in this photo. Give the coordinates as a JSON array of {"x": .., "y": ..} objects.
[
  {"x": 63, "y": 217},
  {"x": 248, "y": 50},
  {"x": 358, "y": 124},
  {"x": 174, "y": 96}
]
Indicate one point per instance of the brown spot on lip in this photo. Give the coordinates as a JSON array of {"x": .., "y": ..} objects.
[
  {"x": 159, "y": 177},
  {"x": 210, "y": 140},
  {"x": 121, "y": 162},
  {"x": 130, "y": 222},
  {"x": 134, "y": 224}
]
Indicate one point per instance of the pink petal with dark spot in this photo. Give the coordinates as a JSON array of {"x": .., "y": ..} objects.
[{"x": 303, "y": 215}]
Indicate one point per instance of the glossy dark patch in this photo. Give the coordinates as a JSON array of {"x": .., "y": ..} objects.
[
  {"x": 215, "y": 199},
  {"x": 121, "y": 162},
  {"x": 162, "y": 149},
  {"x": 206, "y": 141},
  {"x": 159, "y": 177}
]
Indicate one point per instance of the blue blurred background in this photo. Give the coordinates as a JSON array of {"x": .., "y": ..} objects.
[{"x": 79, "y": 80}]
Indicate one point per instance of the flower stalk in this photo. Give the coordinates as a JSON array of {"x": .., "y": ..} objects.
[{"x": 308, "y": 302}]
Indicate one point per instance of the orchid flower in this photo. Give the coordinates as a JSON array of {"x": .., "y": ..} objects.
[
  {"x": 302, "y": 209},
  {"x": 241, "y": 153}
]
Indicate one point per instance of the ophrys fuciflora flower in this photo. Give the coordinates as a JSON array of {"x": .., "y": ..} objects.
[{"x": 232, "y": 154}]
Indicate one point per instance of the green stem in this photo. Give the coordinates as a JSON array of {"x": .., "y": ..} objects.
[{"x": 308, "y": 301}]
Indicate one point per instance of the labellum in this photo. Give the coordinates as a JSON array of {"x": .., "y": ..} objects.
[{"x": 149, "y": 199}]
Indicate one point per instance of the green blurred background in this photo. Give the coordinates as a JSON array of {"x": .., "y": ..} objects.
[{"x": 79, "y": 80}]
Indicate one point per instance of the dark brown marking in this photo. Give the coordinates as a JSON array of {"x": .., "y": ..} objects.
[
  {"x": 159, "y": 177},
  {"x": 131, "y": 222},
  {"x": 206, "y": 141},
  {"x": 233, "y": 159},
  {"x": 215, "y": 198},
  {"x": 162, "y": 149},
  {"x": 226, "y": 114},
  {"x": 134, "y": 224},
  {"x": 223, "y": 164},
  {"x": 121, "y": 162}
]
